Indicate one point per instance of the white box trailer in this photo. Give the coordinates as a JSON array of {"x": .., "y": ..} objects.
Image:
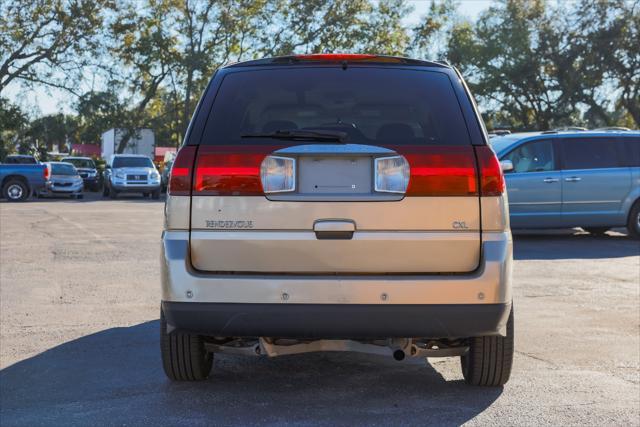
[{"x": 142, "y": 142}]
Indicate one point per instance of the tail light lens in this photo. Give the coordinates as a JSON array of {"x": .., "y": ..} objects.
[
  {"x": 181, "y": 172},
  {"x": 391, "y": 174},
  {"x": 46, "y": 172},
  {"x": 278, "y": 174},
  {"x": 491, "y": 177},
  {"x": 230, "y": 170},
  {"x": 441, "y": 170}
]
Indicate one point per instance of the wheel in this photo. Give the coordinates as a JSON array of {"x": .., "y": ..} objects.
[
  {"x": 633, "y": 223},
  {"x": 15, "y": 190},
  {"x": 184, "y": 357},
  {"x": 596, "y": 231},
  {"x": 489, "y": 360},
  {"x": 155, "y": 195}
]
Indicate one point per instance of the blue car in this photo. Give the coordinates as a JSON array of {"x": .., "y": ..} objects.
[{"x": 588, "y": 179}]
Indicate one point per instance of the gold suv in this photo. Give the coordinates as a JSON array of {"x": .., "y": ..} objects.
[{"x": 337, "y": 202}]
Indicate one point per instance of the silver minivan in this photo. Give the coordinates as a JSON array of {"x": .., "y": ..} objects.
[{"x": 337, "y": 203}]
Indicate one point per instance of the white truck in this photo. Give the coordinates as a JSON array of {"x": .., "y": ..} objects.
[{"x": 141, "y": 142}]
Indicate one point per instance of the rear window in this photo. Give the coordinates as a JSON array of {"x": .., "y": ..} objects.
[
  {"x": 590, "y": 153},
  {"x": 633, "y": 151},
  {"x": 20, "y": 160},
  {"x": 81, "y": 163},
  {"x": 132, "y": 162},
  {"x": 61, "y": 169},
  {"x": 372, "y": 105}
]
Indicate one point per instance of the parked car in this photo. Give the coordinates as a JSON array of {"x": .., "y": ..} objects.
[
  {"x": 337, "y": 203},
  {"x": 19, "y": 180},
  {"x": 64, "y": 179},
  {"x": 131, "y": 173},
  {"x": 87, "y": 170},
  {"x": 588, "y": 179},
  {"x": 20, "y": 159}
]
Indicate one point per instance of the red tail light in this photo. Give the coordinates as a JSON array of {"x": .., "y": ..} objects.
[
  {"x": 230, "y": 171},
  {"x": 45, "y": 173},
  {"x": 491, "y": 177},
  {"x": 181, "y": 172},
  {"x": 440, "y": 170}
]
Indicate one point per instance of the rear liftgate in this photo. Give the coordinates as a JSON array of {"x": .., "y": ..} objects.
[{"x": 335, "y": 209}]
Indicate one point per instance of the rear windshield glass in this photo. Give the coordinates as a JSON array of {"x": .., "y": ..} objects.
[
  {"x": 372, "y": 105},
  {"x": 132, "y": 162},
  {"x": 81, "y": 163},
  {"x": 23, "y": 160},
  {"x": 61, "y": 169}
]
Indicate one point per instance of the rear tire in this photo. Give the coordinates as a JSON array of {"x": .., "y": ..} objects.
[
  {"x": 633, "y": 223},
  {"x": 15, "y": 190},
  {"x": 184, "y": 357},
  {"x": 489, "y": 360}
]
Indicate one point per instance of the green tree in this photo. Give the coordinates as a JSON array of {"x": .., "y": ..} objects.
[
  {"x": 13, "y": 124},
  {"x": 98, "y": 112},
  {"x": 48, "y": 41}
]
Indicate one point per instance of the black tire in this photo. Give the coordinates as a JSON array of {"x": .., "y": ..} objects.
[
  {"x": 155, "y": 195},
  {"x": 633, "y": 222},
  {"x": 596, "y": 231},
  {"x": 15, "y": 190},
  {"x": 489, "y": 360},
  {"x": 184, "y": 357}
]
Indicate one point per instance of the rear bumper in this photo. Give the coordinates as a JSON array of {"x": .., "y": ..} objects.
[
  {"x": 354, "y": 321},
  {"x": 438, "y": 304}
]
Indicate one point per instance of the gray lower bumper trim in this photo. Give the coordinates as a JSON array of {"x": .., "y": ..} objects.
[{"x": 337, "y": 320}]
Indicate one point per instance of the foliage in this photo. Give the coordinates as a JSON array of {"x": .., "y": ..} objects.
[
  {"x": 533, "y": 66},
  {"x": 45, "y": 41}
]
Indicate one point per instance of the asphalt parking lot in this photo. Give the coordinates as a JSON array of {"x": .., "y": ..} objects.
[{"x": 79, "y": 297}]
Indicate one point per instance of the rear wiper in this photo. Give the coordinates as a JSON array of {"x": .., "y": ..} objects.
[{"x": 301, "y": 135}]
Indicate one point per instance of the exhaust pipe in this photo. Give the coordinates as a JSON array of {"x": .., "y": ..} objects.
[{"x": 398, "y": 355}]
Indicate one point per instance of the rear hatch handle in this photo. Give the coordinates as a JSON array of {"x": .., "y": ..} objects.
[{"x": 334, "y": 229}]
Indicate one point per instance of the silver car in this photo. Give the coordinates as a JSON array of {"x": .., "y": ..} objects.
[
  {"x": 64, "y": 179},
  {"x": 337, "y": 203},
  {"x": 131, "y": 173}
]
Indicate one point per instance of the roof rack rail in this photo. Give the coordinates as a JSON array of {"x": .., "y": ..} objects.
[
  {"x": 570, "y": 128},
  {"x": 544, "y": 132},
  {"x": 614, "y": 128}
]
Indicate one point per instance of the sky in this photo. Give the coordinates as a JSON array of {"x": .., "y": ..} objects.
[{"x": 45, "y": 101}]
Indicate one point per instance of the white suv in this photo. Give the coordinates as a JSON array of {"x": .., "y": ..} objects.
[{"x": 131, "y": 173}]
